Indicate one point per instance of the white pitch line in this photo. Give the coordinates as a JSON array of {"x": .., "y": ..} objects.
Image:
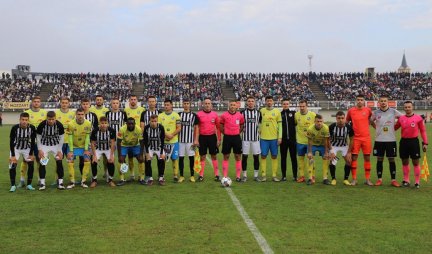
[{"x": 262, "y": 242}]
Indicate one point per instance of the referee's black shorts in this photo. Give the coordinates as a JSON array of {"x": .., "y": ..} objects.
[
  {"x": 409, "y": 147},
  {"x": 233, "y": 142},
  {"x": 208, "y": 142},
  {"x": 388, "y": 149}
]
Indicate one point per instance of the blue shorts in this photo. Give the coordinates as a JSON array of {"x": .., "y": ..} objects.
[
  {"x": 172, "y": 151},
  {"x": 267, "y": 145},
  {"x": 302, "y": 149},
  {"x": 319, "y": 149},
  {"x": 132, "y": 150},
  {"x": 80, "y": 153}
]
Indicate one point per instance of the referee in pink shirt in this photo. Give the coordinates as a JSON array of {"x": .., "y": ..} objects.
[
  {"x": 409, "y": 146},
  {"x": 231, "y": 125},
  {"x": 208, "y": 137}
]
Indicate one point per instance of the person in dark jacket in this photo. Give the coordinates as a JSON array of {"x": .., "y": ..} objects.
[{"x": 288, "y": 140}]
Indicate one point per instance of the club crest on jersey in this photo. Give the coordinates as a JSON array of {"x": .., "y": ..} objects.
[
  {"x": 273, "y": 114},
  {"x": 213, "y": 120},
  {"x": 290, "y": 115},
  {"x": 378, "y": 117},
  {"x": 308, "y": 118},
  {"x": 412, "y": 125},
  {"x": 70, "y": 117}
]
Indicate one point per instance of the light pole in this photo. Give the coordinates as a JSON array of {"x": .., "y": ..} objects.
[{"x": 310, "y": 62}]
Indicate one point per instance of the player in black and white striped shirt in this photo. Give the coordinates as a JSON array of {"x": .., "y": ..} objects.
[
  {"x": 189, "y": 125},
  {"x": 22, "y": 143},
  {"x": 103, "y": 141},
  {"x": 116, "y": 118},
  {"x": 50, "y": 137},
  {"x": 153, "y": 145},
  {"x": 250, "y": 137},
  {"x": 341, "y": 134},
  {"x": 152, "y": 110}
]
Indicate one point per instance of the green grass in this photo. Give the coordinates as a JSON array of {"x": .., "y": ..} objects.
[{"x": 200, "y": 217}]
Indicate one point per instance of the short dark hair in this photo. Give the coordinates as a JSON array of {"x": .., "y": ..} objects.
[
  {"x": 131, "y": 119},
  {"x": 250, "y": 97},
  {"x": 406, "y": 102},
  {"x": 99, "y": 95},
  {"x": 169, "y": 101},
  {"x": 80, "y": 110},
  {"x": 383, "y": 96},
  {"x": 286, "y": 99},
  {"x": 24, "y": 114},
  {"x": 85, "y": 100},
  {"x": 64, "y": 98},
  {"x": 153, "y": 116},
  {"x": 151, "y": 97},
  {"x": 207, "y": 98},
  {"x": 360, "y": 96},
  {"x": 132, "y": 95},
  {"x": 186, "y": 100},
  {"x": 318, "y": 116},
  {"x": 51, "y": 114},
  {"x": 303, "y": 101},
  {"x": 269, "y": 97},
  {"x": 340, "y": 113},
  {"x": 233, "y": 100},
  {"x": 36, "y": 98},
  {"x": 103, "y": 119}
]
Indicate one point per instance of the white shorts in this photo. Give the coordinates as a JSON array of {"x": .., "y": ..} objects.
[
  {"x": 186, "y": 149},
  {"x": 99, "y": 154},
  {"x": 25, "y": 153},
  {"x": 249, "y": 146},
  {"x": 342, "y": 149},
  {"x": 49, "y": 149},
  {"x": 158, "y": 153}
]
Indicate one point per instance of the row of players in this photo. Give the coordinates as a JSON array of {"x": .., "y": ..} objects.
[{"x": 91, "y": 134}]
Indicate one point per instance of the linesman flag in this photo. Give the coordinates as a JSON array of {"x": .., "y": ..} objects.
[
  {"x": 424, "y": 174},
  {"x": 197, "y": 161}
]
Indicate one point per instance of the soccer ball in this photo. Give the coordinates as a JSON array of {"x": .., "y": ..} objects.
[
  {"x": 124, "y": 168},
  {"x": 226, "y": 182}
]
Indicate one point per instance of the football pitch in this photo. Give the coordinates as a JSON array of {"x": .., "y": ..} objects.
[{"x": 284, "y": 217}]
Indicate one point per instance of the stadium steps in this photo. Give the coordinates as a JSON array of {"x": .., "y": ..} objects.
[
  {"x": 316, "y": 90},
  {"x": 46, "y": 91},
  {"x": 138, "y": 88},
  {"x": 227, "y": 91}
]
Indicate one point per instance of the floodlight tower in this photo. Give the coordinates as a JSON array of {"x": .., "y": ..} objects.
[{"x": 310, "y": 62}]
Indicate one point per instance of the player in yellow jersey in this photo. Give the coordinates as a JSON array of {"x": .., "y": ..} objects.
[
  {"x": 172, "y": 124},
  {"x": 79, "y": 145},
  {"x": 134, "y": 111},
  {"x": 37, "y": 115},
  {"x": 99, "y": 109},
  {"x": 129, "y": 142},
  {"x": 318, "y": 141},
  {"x": 303, "y": 120},
  {"x": 271, "y": 137},
  {"x": 65, "y": 115}
]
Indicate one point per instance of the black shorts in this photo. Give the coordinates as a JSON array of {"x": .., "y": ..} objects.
[
  {"x": 388, "y": 149},
  {"x": 208, "y": 142},
  {"x": 233, "y": 142},
  {"x": 409, "y": 147}
]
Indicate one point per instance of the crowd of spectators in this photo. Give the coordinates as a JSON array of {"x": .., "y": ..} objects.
[
  {"x": 177, "y": 87},
  {"x": 19, "y": 90},
  {"x": 421, "y": 85},
  {"x": 78, "y": 86},
  {"x": 337, "y": 87},
  {"x": 345, "y": 86},
  {"x": 295, "y": 86}
]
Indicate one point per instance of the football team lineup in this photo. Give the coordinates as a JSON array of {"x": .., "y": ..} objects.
[
  {"x": 117, "y": 137},
  {"x": 94, "y": 135}
]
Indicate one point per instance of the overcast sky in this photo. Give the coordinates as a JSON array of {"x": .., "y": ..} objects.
[{"x": 123, "y": 36}]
